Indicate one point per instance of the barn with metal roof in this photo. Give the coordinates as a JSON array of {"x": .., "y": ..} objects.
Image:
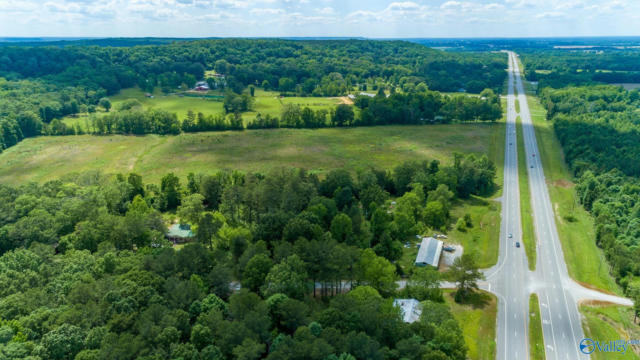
[{"x": 429, "y": 252}]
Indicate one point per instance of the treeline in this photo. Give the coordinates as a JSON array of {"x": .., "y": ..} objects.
[
  {"x": 285, "y": 65},
  {"x": 597, "y": 126},
  {"x": 27, "y": 107},
  {"x": 600, "y": 134},
  {"x": 427, "y": 107},
  {"x": 560, "y": 68},
  {"x": 291, "y": 242}
]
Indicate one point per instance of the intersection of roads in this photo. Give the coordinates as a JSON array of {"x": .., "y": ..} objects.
[{"x": 510, "y": 279}]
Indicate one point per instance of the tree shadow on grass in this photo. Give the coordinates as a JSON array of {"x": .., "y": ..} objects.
[{"x": 475, "y": 299}]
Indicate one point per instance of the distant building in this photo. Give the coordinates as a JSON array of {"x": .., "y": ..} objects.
[
  {"x": 180, "y": 233},
  {"x": 429, "y": 252},
  {"x": 367, "y": 94},
  {"x": 351, "y": 96},
  {"x": 202, "y": 86},
  {"x": 411, "y": 309}
]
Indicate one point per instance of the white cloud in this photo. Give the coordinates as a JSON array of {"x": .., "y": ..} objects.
[
  {"x": 326, "y": 10},
  {"x": 401, "y": 18},
  {"x": 267, "y": 11},
  {"x": 550, "y": 15}
]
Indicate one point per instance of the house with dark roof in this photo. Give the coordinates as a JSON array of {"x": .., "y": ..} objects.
[
  {"x": 429, "y": 252},
  {"x": 202, "y": 86}
]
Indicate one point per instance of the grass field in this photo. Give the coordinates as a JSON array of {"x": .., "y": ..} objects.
[
  {"x": 536, "y": 339},
  {"x": 483, "y": 238},
  {"x": 266, "y": 102},
  {"x": 604, "y": 323},
  {"x": 478, "y": 326},
  {"x": 584, "y": 259},
  {"x": 44, "y": 158},
  {"x": 528, "y": 233}
]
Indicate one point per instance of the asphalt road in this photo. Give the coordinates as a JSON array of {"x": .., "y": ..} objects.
[
  {"x": 561, "y": 323},
  {"x": 510, "y": 279}
]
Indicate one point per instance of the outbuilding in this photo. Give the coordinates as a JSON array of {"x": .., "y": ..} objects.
[
  {"x": 429, "y": 252},
  {"x": 411, "y": 309}
]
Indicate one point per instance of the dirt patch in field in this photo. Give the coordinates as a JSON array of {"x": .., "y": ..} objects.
[
  {"x": 563, "y": 183},
  {"x": 589, "y": 286},
  {"x": 345, "y": 100},
  {"x": 598, "y": 303}
]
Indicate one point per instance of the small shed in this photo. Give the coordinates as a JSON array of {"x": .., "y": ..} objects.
[
  {"x": 429, "y": 252},
  {"x": 411, "y": 309},
  {"x": 180, "y": 233}
]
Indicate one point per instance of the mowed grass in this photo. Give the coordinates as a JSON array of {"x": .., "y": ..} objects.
[
  {"x": 585, "y": 261},
  {"x": 265, "y": 103},
  {"x": 45, "y": 158},
  {"x": 482, "y": 239},
  {"x": 478, "y": 326},
  {"x": 528, "y": 233},
  {"x": 605, "y": 323},
  {"x": 536, "y": 338},
  {"x": 171, "y": 103}
]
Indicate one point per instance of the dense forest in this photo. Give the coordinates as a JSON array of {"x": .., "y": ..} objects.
[
  {"x": 86, "y": 272},
  {"x": 40, "y": 85},
  {"x": 560, "y": 68},
  {"x": 600, "y": 133}
]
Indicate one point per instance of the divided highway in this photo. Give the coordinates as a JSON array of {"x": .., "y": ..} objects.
[{"x": 510, "y": 279}]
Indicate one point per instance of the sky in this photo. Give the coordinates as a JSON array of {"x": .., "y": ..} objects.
[{"x": 344, "y": 18}]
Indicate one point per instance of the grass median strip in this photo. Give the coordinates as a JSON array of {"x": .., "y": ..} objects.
[
  {"x": 528, "y": 235},
  {"x": 536, "y": 338},
  {"x": 585, "y": 261}
]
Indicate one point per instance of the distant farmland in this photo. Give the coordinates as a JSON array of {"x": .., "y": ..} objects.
[{"x": 265, "y": 103}]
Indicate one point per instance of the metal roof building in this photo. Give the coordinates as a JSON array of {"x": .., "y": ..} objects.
[
  {"x": 411, "y": 309},
  {"x": 429, "y": 252}
]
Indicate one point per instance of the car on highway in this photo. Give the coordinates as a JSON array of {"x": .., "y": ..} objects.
[
  {"x": 510, "y": 235},
  {"x": 532, "y": 166},
  {"x": 517, "y": 244}
]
